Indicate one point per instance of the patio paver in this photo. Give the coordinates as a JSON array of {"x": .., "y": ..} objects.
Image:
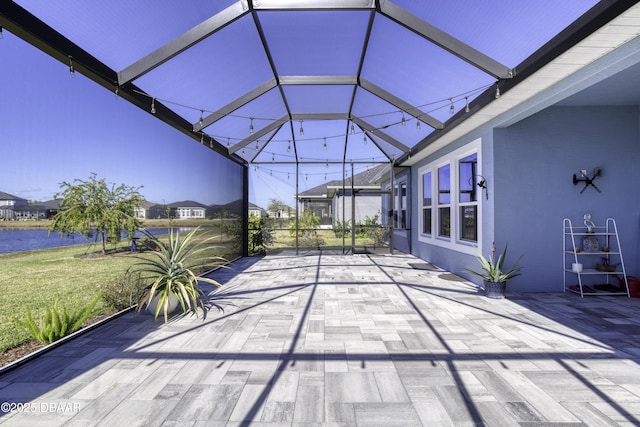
[{"x": 361, "y": 340}]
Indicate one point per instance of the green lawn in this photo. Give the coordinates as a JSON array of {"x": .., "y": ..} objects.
[
  {"x": 71, "y": 275},
  {"x": 283, "y": 239},
  {"x": 36, "y": 279}
]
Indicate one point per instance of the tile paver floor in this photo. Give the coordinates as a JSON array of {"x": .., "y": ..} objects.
[{"x": 356, "y": 340}]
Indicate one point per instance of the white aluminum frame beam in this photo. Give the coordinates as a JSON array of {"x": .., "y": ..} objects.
[
  {"x": 320, "y": 116},
  {"x": 445, "y": 40},
  {"x": 259, "y": 134},
  {"x": 400, "y": 104},
  {"x": 317, "y": 80},
  {"x": 183, "y": 42},
  {"x": 312, "y": 4},
  {"x": 379, "y": 133},
  {"x": 235, "y": 104}
]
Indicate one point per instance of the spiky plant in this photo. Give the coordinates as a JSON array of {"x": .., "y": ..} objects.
[
  {"x": 173, "y": 268},
  {"x": 493, "y": 270}
]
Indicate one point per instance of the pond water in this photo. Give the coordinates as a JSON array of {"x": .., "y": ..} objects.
[{"x": 28, "y": 240}]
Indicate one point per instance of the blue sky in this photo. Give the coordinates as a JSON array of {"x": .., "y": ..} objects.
[{"x": 56, "y": 128}]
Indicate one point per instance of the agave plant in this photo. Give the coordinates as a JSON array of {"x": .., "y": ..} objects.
[
  {"x": 494, "y": 270},
  {"x": 173, "y": 269}
]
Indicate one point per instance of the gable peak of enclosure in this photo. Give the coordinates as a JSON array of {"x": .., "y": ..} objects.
[{"x": 267, "y": 81}]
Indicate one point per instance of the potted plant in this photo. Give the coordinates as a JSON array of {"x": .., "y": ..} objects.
[
  {"x": 494, "y": 274},
  {"x": 172, "y": 273}
]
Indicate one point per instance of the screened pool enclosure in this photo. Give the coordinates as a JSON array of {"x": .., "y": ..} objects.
[{"x": 306, "y": 92}]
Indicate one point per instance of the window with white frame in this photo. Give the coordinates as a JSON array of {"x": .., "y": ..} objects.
[
  {"x": 444, "y": 201},
  {"x": 427, "y": 203},
  {"x": 400, "y": 205},
  {"x": 450, "y": 211},
  {"x": 468, "y": 197}
]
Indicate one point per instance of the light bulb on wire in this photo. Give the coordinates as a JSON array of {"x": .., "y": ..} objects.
[{"x": 72, "y": 69}]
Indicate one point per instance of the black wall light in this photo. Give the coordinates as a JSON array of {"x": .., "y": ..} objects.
[
  {"x": 588, "y": 181},
  {"x": 480, "y": 182}
]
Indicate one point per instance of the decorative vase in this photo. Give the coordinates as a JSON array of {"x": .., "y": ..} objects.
[
  {"x": 495, "y": 289},
  {"x": 174, "y": 303},
  {"x": 590, "y": 244}
]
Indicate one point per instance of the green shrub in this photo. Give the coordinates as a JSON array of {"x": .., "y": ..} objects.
[
  {"x": 57, "y": 321},
  {"x": 260, "y": 235},
  {"x": 123, "y": 292},
  {"x": 339, "y": 226}
]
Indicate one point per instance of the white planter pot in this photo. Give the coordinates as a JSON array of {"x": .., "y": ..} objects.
[{"x": 174, "y": 303}]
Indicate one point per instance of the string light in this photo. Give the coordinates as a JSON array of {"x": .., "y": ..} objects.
[
  {"x": 257, "y": 146},
  {"x": 324, "y": 146},
  {"x": 117, "y": 92},
  {"x": 273, "y": 157},
  {"x": 201, "y": 138},
  {"x": 352, "y": 129},
  {"x": 228, "y": 141},
  {"x": 365, "y": 137},
  {"x": 72, "y": 69}
]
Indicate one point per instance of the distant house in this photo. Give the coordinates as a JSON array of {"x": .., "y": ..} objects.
[
  {"x": 256, "y": 211},
  {"x": 51, "y": 207},
  {"x": 188, "y": 209},
  {"x": 17, "y": 208},
  {"x": 11, "y": 206},
  {"x": 158, "y": 211},
  {"x": 142, "y": 211},
  {"x": 285, "y": 212},
  {"x": 229, "y": 210},
  {"x": 333, "y": 201}
]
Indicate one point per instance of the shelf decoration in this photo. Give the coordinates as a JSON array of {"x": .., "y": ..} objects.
[{"x": 590, "y": 243}]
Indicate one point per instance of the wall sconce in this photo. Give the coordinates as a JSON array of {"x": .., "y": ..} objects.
[
  {"x": 597, "y": 172},
  {"x": 480, "y": 182}
]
